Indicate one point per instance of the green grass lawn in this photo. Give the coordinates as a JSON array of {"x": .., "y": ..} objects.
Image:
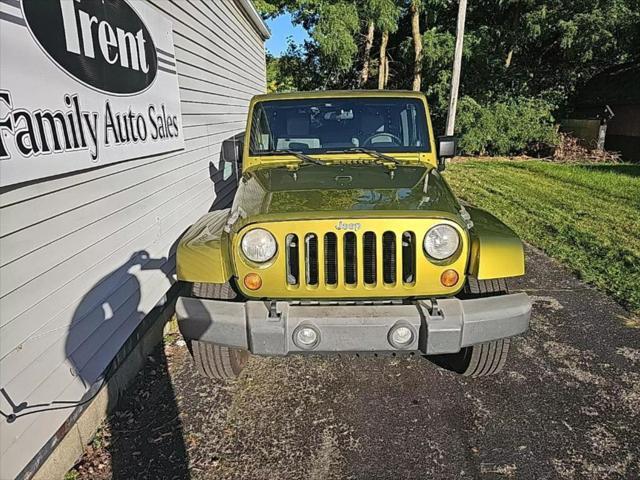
[{"x": 586, "y": 216}]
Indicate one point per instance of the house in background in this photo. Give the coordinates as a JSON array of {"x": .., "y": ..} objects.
[
  {"x": 86, "y": 235},
  {"x": 607, "y": 109}
]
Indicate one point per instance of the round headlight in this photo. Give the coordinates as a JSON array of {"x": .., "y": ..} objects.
[
  {"x": 258, "y": 245},
  {"x": 441, "y": 241}
]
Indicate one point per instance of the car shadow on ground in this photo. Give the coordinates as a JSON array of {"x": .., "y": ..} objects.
[
  {"x": 119, "y": 450},
  {"x": 143, "y": 437}
]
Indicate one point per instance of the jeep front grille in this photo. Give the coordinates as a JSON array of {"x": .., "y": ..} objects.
[{"x": 351, "y": 259}]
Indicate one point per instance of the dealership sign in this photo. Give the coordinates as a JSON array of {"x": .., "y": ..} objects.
[{"x": 84, "y": 83}]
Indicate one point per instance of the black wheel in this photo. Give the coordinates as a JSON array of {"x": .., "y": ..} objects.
[
  {"x": 211, "y": 360},
  {"x": 485, "y": 358}
]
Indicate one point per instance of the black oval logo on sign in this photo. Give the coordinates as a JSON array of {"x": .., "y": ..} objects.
[{"x": 103, "y": 44}]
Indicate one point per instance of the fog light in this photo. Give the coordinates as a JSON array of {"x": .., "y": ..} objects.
[
  {"x": 400, "y": 336},
  {"x": 449, "y": 278},
  {"x": 306, "y": 337},
  {"x": 252, "y": 281}
]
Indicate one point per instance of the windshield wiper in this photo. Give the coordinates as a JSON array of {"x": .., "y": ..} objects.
[
  {"x": 299, "y": 156},
  {"x": 373, "y": 153}
]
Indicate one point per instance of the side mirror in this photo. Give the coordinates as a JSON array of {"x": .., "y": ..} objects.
[
  {"x": 230, "y": 150},
  {"x": 447, "y": 148},
  {"x": 232, "y": 155}
]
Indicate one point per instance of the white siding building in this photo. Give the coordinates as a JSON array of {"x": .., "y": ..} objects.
[{"x": 87, "y": 254}]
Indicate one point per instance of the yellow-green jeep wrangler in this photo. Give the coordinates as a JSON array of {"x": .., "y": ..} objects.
[{"x": 343, "y": 237}]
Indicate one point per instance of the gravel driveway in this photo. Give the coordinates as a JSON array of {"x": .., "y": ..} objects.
[{"x": 567, "y": 406}]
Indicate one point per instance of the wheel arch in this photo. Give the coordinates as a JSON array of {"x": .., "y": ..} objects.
[
  {"x": 203, "y": 251},
  {"x": 496, "y": 251}
]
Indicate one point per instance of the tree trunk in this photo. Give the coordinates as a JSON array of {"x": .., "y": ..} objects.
[
  {"x": 507, "y": 62},
  {"x": 383, "y": 60},
  {"x": 417, "y": 45},
  {"x": 386, "y": 72},
  {"x": 364, "y": 75}
]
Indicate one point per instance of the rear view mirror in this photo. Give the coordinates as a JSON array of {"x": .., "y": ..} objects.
[{"x": 447, "y": 148}]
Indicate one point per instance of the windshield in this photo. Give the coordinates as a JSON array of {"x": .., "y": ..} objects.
[{"x": 329, "y": 125}]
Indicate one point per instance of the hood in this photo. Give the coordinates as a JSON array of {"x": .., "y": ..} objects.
[{"x": 358, "y": 189}]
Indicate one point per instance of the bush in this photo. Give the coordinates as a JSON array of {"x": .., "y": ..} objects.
[{"x": 510, "y": 127}]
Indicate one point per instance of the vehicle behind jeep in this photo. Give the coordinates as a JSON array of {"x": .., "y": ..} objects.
[{"x": 344, "y": 237}]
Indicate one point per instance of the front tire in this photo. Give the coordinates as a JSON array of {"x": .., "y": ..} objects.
[
  {"x": 211, "y": 360},
  {"x": 486, "y": 358},
  {"x": 218, "y": 362}
]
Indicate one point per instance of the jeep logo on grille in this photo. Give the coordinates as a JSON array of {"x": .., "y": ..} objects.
[
  {"x": 103, "y": 44},
  {"x": 348, "y": 226}
]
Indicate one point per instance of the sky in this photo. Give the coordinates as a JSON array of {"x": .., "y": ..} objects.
[{"x": 281, "y": 28}]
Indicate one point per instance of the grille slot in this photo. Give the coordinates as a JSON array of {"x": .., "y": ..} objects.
[
  {"x": 350, "y": 259},
  {"x": 331, "y": 259},
  {"x": 389, "y": 257},
  {"x": 408, "y": 257},
  {"x": 369, "y": 254},
  {"x": 293, "y": 259},
  {"x": 311, "y": 258}
]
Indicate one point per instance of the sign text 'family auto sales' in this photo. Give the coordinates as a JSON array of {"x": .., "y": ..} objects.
[{"x": 84, "y": 84}]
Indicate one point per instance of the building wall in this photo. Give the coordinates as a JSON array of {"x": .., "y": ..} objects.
[
  {"x": 84, "y": 256},
  {"x": 623, "y": 132}
]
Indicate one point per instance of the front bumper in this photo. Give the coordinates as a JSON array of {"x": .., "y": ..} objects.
[{"x": 442, "y": 326}]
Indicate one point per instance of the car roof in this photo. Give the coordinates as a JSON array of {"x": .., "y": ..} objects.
[{"x": 339, "y": 94}]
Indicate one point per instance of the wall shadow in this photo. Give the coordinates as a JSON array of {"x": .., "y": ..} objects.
[
  {"x": 143, "y": 437},
  {"x": 226, "y": 175}
]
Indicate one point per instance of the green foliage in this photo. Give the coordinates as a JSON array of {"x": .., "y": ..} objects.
[
  {"x": 280, "y": 76},
  {"x": 271, "y": 8},
  {"x": 518, "y": 49},
  {"x": 508, "y": 127},
  {"x": 437, "y": 54},
  {"x": 384, "y": 13},
  {"x": 299, "y": 70},
  {"x": 583, "y": 215},
  {"x": 334, "y": 32},
  {"x": 333, "y": 26}
]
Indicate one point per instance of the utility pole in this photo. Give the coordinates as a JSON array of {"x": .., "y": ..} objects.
[{"x": 457, "y": 65}]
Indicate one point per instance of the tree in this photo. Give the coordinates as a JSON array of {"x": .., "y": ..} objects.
[
  {"x": 417, "y": 44},
  {"x": 366, "y": 56},
  {"x": 335, "y": 29},
  {"x": 383, "y": 65},
  {"x": 332, "y": 25},
  {"x": 280, "y": 70},
  {"x": 387, "y": 15},
  {"x": 514, "y": 49},
  {"x": 273, "y": 8},
  {"x": 383, "y": 14}
]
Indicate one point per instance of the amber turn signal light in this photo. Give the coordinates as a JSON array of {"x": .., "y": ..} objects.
[
  {"x": 252, "y": 281},
  {"x": 449, "y": 278}
]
